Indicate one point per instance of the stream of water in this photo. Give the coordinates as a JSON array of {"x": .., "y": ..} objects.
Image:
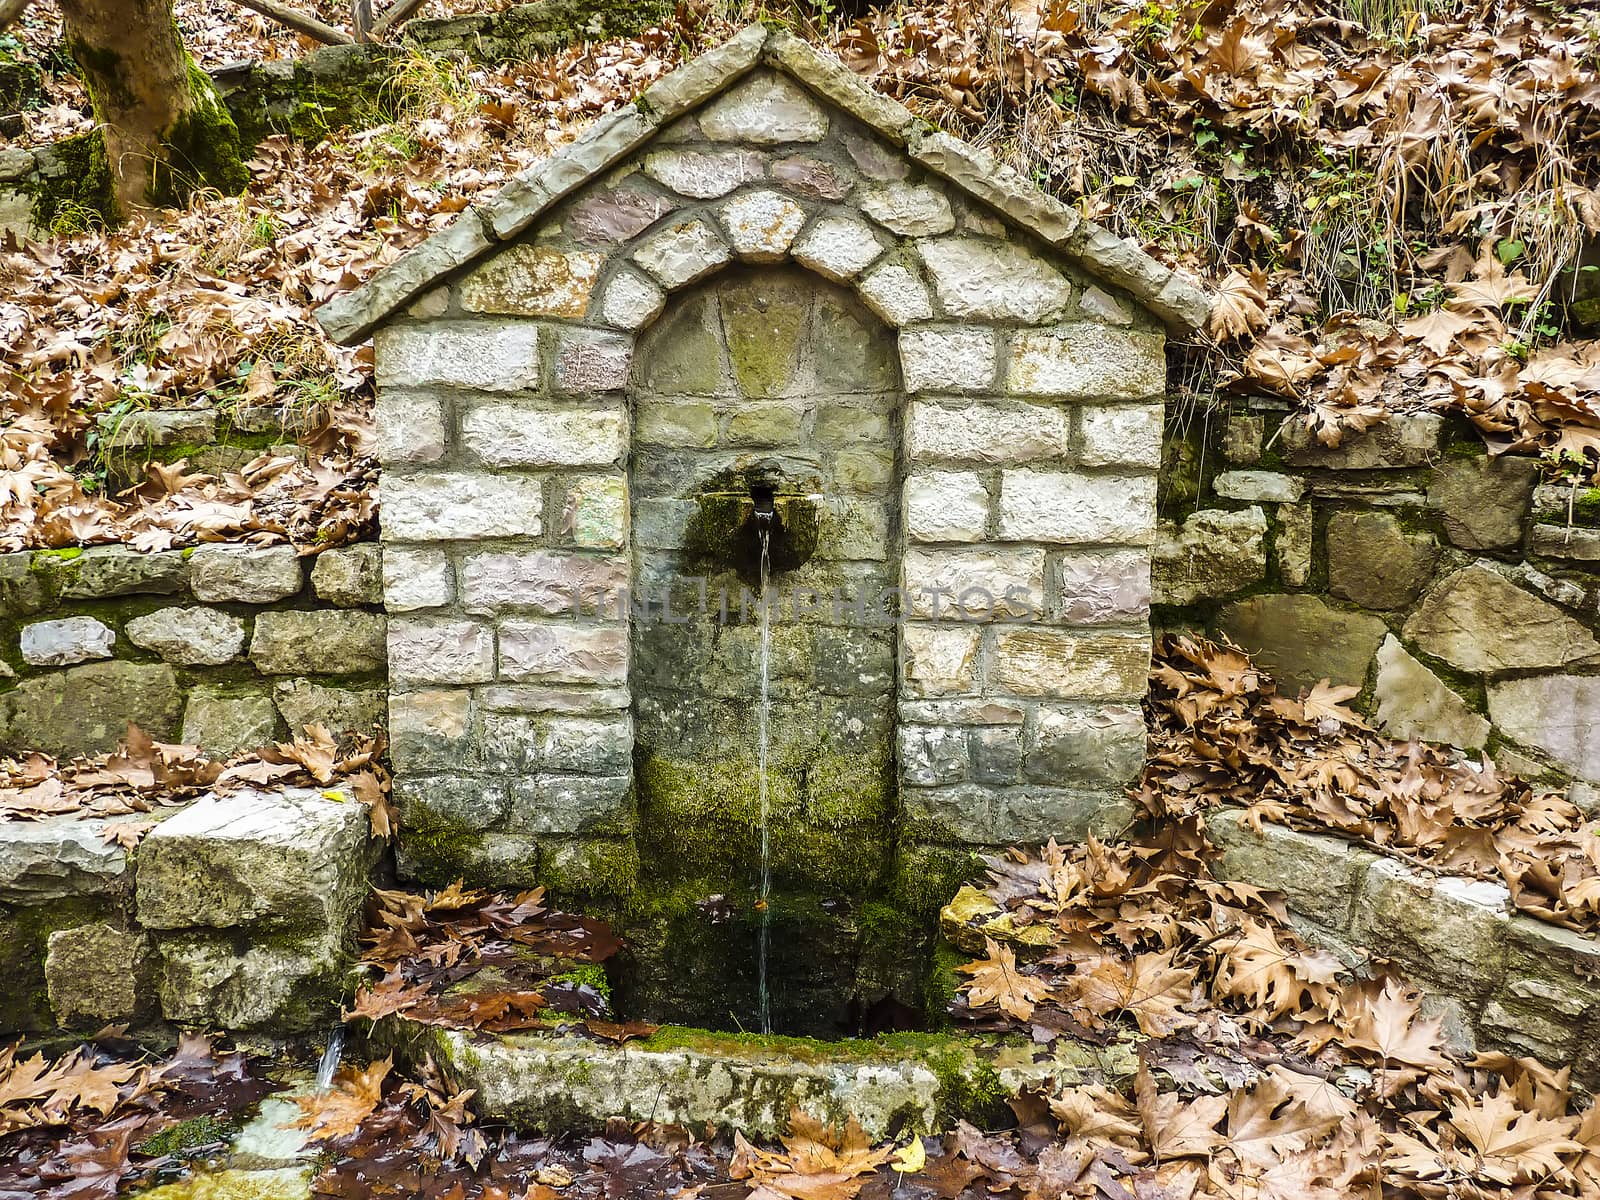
[
  {"x": 330, "y": 1059},
  {"x": 763, "y": 1002}
]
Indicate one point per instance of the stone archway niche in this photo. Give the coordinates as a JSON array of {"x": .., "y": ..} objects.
[{"x": 764, "y": 286}]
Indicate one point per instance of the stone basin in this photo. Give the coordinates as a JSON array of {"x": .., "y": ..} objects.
[{"x": 893, "y": 1085}]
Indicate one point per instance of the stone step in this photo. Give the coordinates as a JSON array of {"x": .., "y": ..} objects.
[
  {"x": 1507, "y": 981},
  {"x": 892, "y": 1085},
  {"x": 237, "y": 911}
]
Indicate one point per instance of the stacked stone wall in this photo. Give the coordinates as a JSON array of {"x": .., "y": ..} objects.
[
  {"x": 1459, "y": 591},
  {"x": 226, "y": 647}
]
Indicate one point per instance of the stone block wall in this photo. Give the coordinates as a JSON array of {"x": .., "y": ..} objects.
[
  {"x": 227, "y": 647},
  {"x": 1460, "y": 592},
  {"x": 1502, "y": 980},
  {"x": 1025, "y": 468}
]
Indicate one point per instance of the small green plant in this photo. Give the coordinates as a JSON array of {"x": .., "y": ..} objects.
[{"x": 264, "y": 229}]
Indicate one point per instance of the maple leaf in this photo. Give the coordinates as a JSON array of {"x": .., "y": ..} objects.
[
  {"x": 1175, "y": 1128},
  {"x": 1150, "y": 986},
  {"x": 1391, "y": 1025},
  {"x": 1239, "y": 307},
  {"x": 1438, "y": 329},
  {"x": 339, "y": 1111},
  {"x": 1512, "y": 1145},
  {"x": 996, "y": 980}
]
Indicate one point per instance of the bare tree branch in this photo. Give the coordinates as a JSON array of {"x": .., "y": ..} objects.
[
  {"x": 398, "y": 12},
  {"x": 361, "y": 19},
  {"x": 10, "y": 10},
  {"x": 297, "y": 20}
]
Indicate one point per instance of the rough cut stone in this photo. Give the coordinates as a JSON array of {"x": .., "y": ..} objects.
[
  {"x": 1301, "y": 639},
  {"x": 414, "y": 579},
  {"x": 410, "y": 428},
  {"x": 158, "y": 427},
  {"x": 605, "y": 218},
  {"x": 959, "y": 359},
  {"x": 57, "y": 858},
  {"x": 1057, "y": 662},
  {"x": 761, "y": 225},
  {"x": 341, "y": 710},
  {"x": 1375, "y": 563},
  {"x": 563, "y": 653},
  {"x": 1405, "y": 440},
  {"x": 503, "y": 435},
  {"x": 545, "y": 804},
  {"x": 102, "y": 571},
  {"x": 1088, "y": 361},
  {"x": 189, "y": 636},
  {"x": 630, "y": 301},
  {"x": 532, "y": 281},
  {"x": 1260, "y": 487},
  {"x": 86, "y": 709},
  {"x": 65, "y": 641},
  {"x": 587, "y": 361},
  {"x": 1477, "y": 620},
  {"x": 985, "y": 433},
  {"x": 349, "y": 315},
  {"x": 285, "y": 858},
  {"x": 1566, "y": 541},
  {"x": 95, "y": 973},
  {"x": 1127, "y": 435},
  {"x": 912, "y": 210},
  {"x": 681, "y": 254},
  {"x": 1241, "y": 440},
  {"x": 493, "y": 356},
  {"x": 424, "y": 651},
  {"x": 813, "y": 177},
  {"x": 1296, "y": 527},
  {"x": 349, "y": 575},
  {"x": 1560, "y": 714},
  {"x": 896, "y": 293},
  {"x": 223, "y": 723},
  {"x": 1032, "y": 813},
  {"x": 430, "y": 730},
  {"x": 995, "y": 281},
  {"x": 318, "y": 642},
  {"x": 442, "y": 507},
  {"x": 837, "y": 247},
  {"x": 1484, "y": 501},
  {"x": 946, "y": 506},
  {"x": 292, "y": 986},
  {"x": 1095, "y": 746},
  {"x": 975, "y": 584},
  {"x": 939, "y": 660},
  {"x": 583, "y": 745},
  {"x": 1045, "y": 506},
  {"x": 1103, "y": 587},
  {"x": 1099, "y": 305},
  {"x": 594, "y": 512},
  {"x": 765, "y": 110},
  {"x": 244, "y": 574},
  {"x": 1450, "y": 932},
  {"x": 1318, "y": 874},
  {"x": 703, "y": 174},
  {"x": 931, "y": 755},
  {"x": 545, "y": 581},
  {"x": 980, "y": 174},
  {"x": 1413, "y": 702},
  {"x": 1213, "y": 554}
]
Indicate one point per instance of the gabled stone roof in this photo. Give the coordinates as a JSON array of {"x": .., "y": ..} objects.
[{"x": 484, "y": 226}]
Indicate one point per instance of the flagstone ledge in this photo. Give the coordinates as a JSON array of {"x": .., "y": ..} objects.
[{"x": 1521, "y": 985}]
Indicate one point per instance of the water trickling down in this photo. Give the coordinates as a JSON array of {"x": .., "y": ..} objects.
[
  {"x": 330, "y": 1059},
  {"x": 763, "y": 1000}
]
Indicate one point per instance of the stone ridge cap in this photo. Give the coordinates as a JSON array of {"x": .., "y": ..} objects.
[{"x": 485, "y": 225}]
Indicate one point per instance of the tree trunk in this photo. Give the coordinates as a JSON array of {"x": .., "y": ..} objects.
[{"x": 166, "y": 129}]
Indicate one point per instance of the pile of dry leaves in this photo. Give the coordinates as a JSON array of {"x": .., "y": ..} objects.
[
  {"x": 1220, "y": 734},
  {"x": 143, "y": 776},
  {"x": 479, "y": 960},
  {"x": 1387, "y": 197},
  {"x": 1262, "y": 1070},
  {"x": 90, "y": 1121}
]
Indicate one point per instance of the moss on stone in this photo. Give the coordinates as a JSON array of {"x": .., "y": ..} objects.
[
  {"x": 590, "y": 975},
  {"x": 939, "y": 988},
  {"x": 185, "y": 1135},
  {"x": 76, "y": 192},
  {"x": 438, "y": 850}
]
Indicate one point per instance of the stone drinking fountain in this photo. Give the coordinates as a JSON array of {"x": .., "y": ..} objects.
[{"x": 762, "y": 314}]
